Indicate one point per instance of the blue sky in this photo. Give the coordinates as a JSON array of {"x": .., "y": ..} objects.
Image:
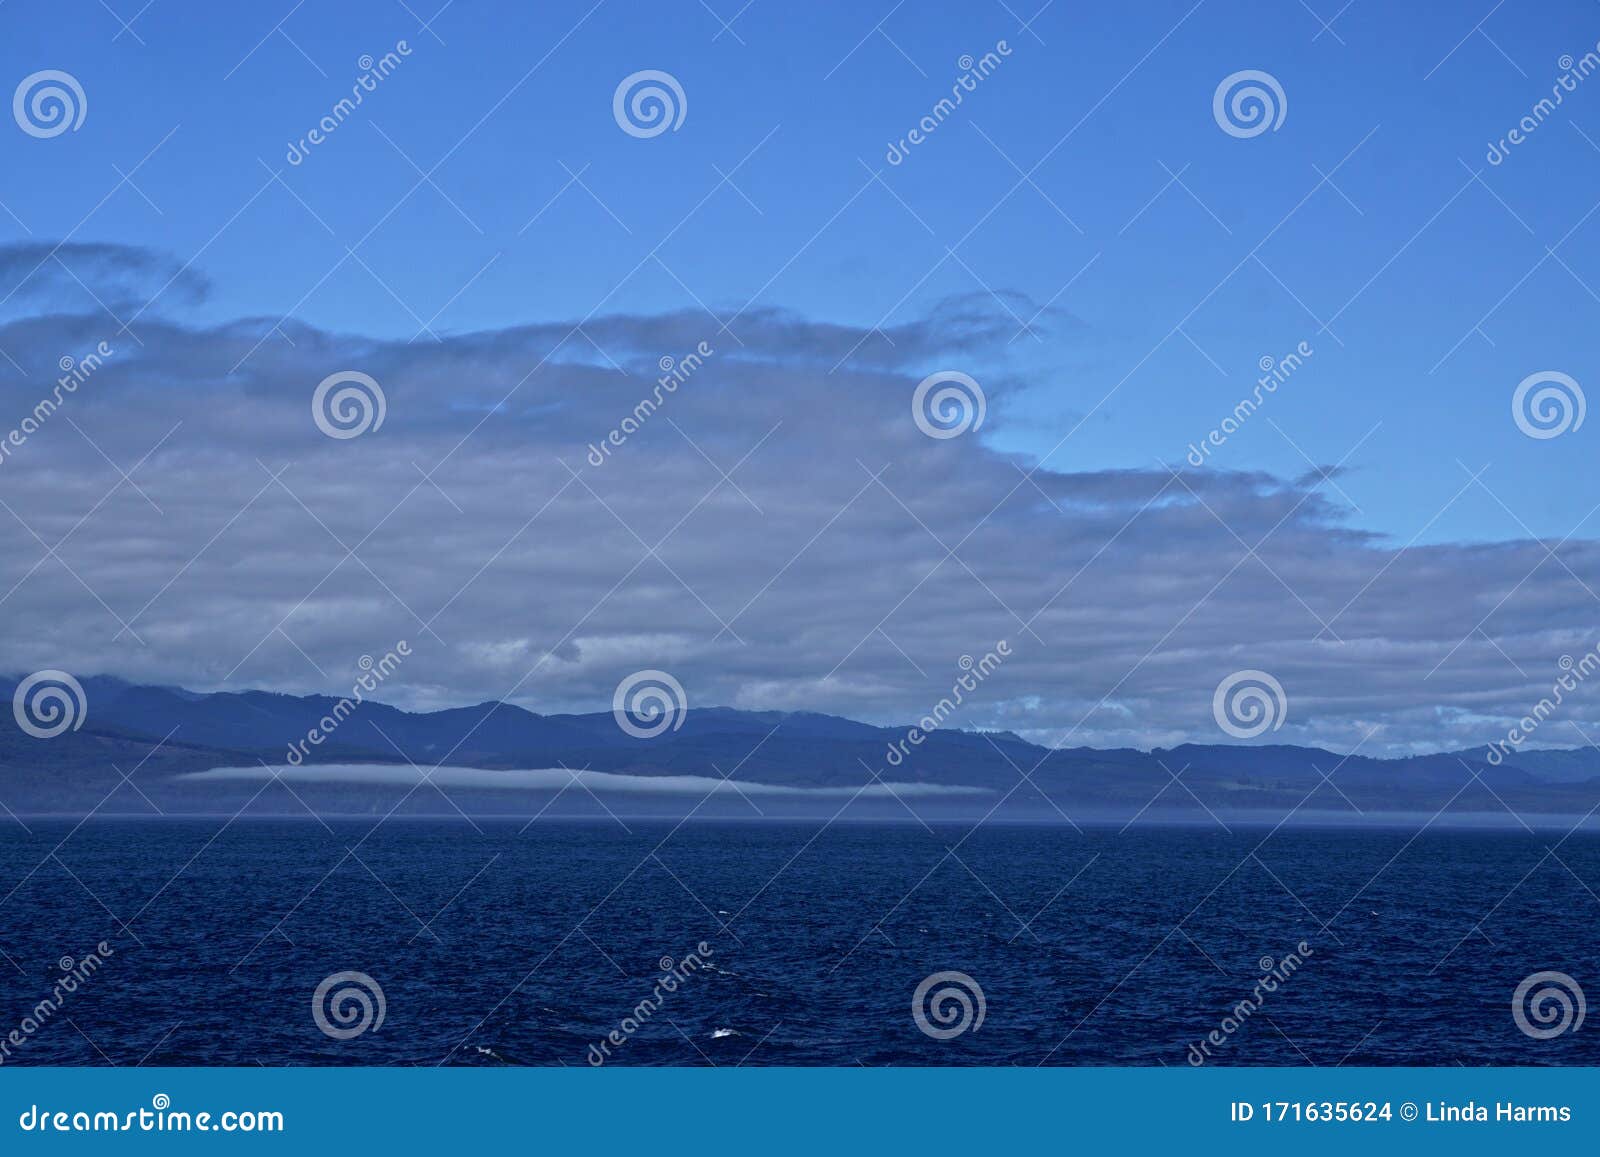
[
  {"x": 1081, "y": 235},
  {"x": 803, "y": 108}
]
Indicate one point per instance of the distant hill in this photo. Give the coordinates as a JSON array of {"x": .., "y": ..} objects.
[{"x": 157, "y": 737}]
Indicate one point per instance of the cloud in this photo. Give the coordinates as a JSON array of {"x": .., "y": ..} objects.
[
  {"x": 773, "y": 529},
  {"x": 102, "y": 279},
  {"x": 558, "y": 778}
]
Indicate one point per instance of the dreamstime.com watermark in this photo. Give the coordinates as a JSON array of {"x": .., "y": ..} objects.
[
  {"x": 160, "y": 1117},
  {"x": 1274, "y": 372},
  {"x": 974, "y": 672},
  {"x": 674, "y": 975},
  {"x": 1573, "y": 73},
  {"x": 1274, "y": 973},
  {"x": 74, "y": 372},
  {"x": 73, "y": 974},
  {"x": 674, "y": 372},
  {"x": 372, "y": 674},
  {"x": 973, "y": 73},
  {"x": 1574, "y": 672},
  {"x": 373, "y": 73}
]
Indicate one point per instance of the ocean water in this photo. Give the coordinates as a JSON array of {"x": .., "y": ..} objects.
[{"x": 497, "y": 943}]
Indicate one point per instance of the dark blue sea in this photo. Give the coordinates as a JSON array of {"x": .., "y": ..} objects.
[{"x": 497, "y": 943}]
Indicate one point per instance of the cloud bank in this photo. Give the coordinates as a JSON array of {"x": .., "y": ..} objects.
[
  {"x": 559, "y": 778},
  {"x": 774, "y": 530}
]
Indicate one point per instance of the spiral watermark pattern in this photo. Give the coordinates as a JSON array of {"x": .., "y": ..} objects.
[
  {"x": 1249, "y": 102},
  {"x": 948, "y": 404},
  {"x": 648, "y": 103},
  {"x": 648, "y": 703},
  {"x": 1547, "y": 404},
  {"x": 348, "y": 404},
  {"x": 48, "y": 703},
  {"x": 1249, "y": 703},
  {"x": 1548, "y": 1004},
  {"x": 948, "y": 1004},
  {"x": 348, "y": 1004},
  {"x": 48, "y": 103}
]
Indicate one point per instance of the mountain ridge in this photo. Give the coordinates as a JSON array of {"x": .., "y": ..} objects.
[{"x": 167, "y": 732}]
